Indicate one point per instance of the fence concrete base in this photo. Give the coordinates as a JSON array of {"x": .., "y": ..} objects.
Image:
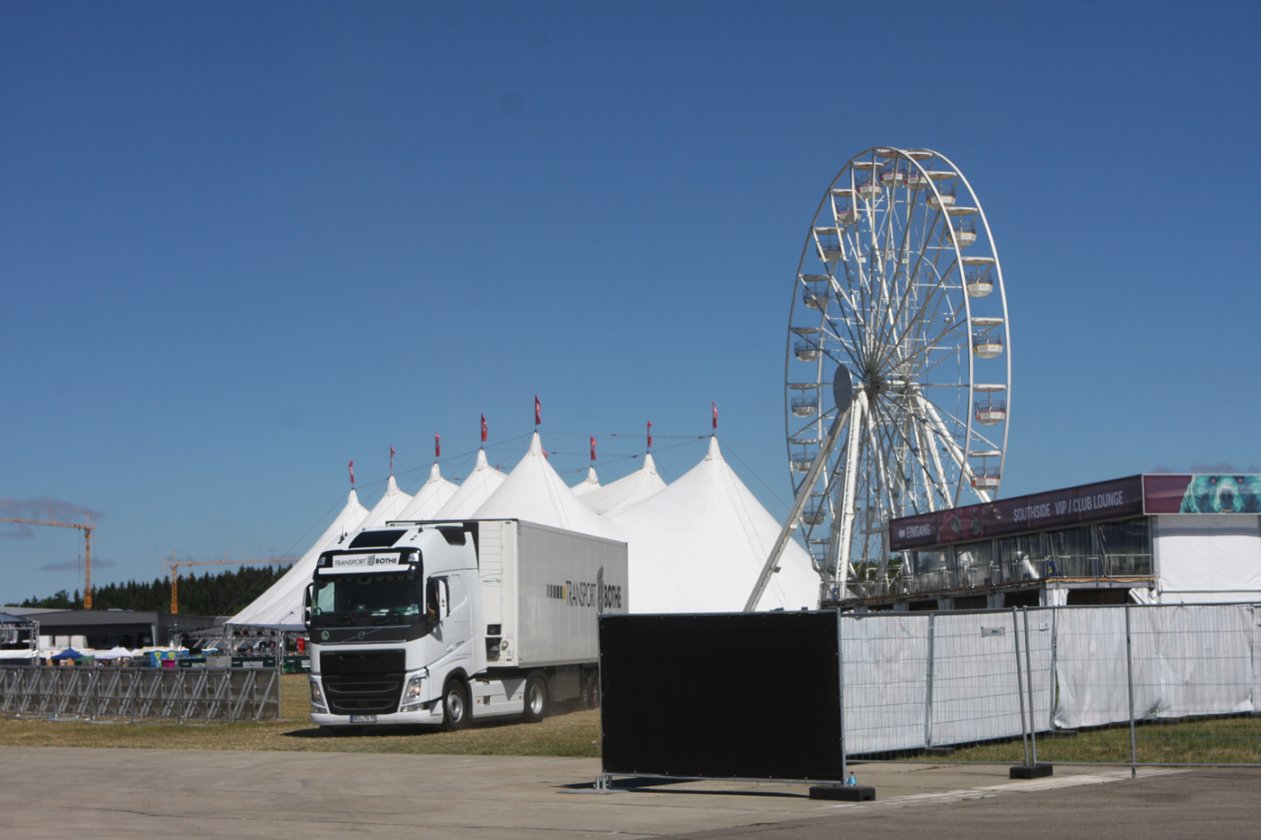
[
  {"x": 844, "y": 793},
  {"x": 1031, "y": 771}
]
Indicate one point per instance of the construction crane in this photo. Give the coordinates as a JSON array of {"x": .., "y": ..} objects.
[
  {"x": 175, "y": 565},
  {"x": 86, "y": 528}
]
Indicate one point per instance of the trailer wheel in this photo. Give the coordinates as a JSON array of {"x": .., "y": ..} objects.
[
  {"x": 591, "y": 693},
  {"x": 535, "y": 698},
  {"x": 455, "y": 710}
]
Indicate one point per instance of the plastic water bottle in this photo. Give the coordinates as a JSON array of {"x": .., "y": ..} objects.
[{"x": 852, "y": 781}]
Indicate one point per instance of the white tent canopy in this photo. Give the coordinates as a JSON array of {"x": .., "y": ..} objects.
[
  {"x": 700, "y": 544},
  {"x": 431, "y": 496},
  {"x": 473, "y": 491},
  {"x": 387, "y": 507},
  {"x": 591, "y": 482},
  {"x": 535, "y": 492},
  {"x": 627, "y": 490},
  {"x": 116, "y": 652},
  {"x": 281, "y": 604}
]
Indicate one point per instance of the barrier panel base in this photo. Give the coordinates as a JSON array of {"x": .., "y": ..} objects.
[
  {"x": 844, "y": 793},
  {"x": 1031, "y": 771}
]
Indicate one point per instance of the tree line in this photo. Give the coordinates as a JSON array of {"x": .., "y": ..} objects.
[{"x": 222, "y": 593}]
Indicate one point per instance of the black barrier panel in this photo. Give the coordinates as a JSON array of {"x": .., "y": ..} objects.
[{"x": 749, "y": 696}]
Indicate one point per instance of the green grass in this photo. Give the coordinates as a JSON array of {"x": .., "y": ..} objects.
[
  {"x": 1234, "y": 740},
  {"x": 568, "y": 734},
  {"x": 1231, "y": 740}
]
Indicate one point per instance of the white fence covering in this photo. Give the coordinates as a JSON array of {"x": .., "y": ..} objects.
[{"x": 922, "y": 680}]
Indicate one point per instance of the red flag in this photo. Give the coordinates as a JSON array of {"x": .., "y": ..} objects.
[
  {"x": 714, "y": 408},
  {"x": 483, "y": 428},
  {"x": 437, "y": 446},
  {"x": 538, "y": 410},
  {"x": 351, "y": 467},
  {"x": 650, "y": 434},
  {"x": 391, "y": 460},
  {"x": 593, "y": 447}
]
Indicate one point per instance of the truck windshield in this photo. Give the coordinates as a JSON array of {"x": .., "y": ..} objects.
[{"x": 382, "y": 598}]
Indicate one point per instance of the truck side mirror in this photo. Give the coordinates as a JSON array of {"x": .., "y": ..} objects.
[
  {"x": 306, "y": 604},
  {"x": 436, "y": 605}
]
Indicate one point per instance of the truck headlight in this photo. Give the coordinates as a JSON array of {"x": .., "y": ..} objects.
[
  {"x": 413, "y": 692},
  {"x": 317, "y": 696}
]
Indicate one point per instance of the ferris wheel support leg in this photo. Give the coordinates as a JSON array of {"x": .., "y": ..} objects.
[
  {"x": 848, "y": 505},
  {"x": 803, "y": 493}
]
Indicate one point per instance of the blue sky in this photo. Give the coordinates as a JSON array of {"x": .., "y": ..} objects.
[{"x": 243, "y": 243}]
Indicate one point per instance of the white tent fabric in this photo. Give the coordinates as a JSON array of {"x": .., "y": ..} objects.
[
  {"x": 627, "y": 490},
  {"x": 116, "y": 652},
  {"x": 432, "y": 495},
  {"x": 533, "y": 491},
  {"x": 591, "y": 482},
  {"x": 387, "y": 507},
  {"x": 700, "y": 544},
  {"x": 1207, "y": 558},
  {"x": 281, "y": 604},
  {"x": 473, "y": 491}
]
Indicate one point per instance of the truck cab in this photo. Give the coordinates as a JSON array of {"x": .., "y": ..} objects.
[{"x": 391, "y": 619}]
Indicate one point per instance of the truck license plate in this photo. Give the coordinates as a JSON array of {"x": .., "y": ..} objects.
[{"x": 363, "y": 718}]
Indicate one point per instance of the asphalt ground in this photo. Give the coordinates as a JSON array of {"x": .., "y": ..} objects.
[{"x": 121, "y": 793}]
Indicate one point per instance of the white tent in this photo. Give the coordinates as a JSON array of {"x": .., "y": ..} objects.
[
  {"x": 281, "y": 604},
  {"x": 627, "y": 490},
  {"x": 591, "y": 482},
  {"x": 533, "y": 491},
  {"x": 473, "y": 491},
  {"x": 387, "y": 507},
  {"x": 116, "y": 652},
  {"x": 699, "y": 546},
  {"x": 432, "y": 495}
]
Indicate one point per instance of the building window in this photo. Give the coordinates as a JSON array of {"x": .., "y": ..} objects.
[
  {"x": 1021, "y": 558},
  {"x": 1070, "y": 553},
  {"x": 1126, "y": 548}
]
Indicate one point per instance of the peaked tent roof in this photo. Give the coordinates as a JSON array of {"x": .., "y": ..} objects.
[
  {"x": 627, "y": 490},
  {"x": 591, "y": 482},
  {"x": 699, "y": 545},
  {"x": 281, "y": 604},
  {"x": 387, "y": 507},
  {"x": 432, "y": 495},
  {"x": 533, "y": 491},
  {"x": 473, "y": 491}
]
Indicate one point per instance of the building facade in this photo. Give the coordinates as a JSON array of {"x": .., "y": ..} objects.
[{"x": 1152, "y": 538}]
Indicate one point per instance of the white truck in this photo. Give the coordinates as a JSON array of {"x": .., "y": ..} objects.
[{"x": 440, "y": 622}]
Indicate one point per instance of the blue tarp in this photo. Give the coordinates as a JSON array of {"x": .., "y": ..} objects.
[{"x": 68, "y": 653}]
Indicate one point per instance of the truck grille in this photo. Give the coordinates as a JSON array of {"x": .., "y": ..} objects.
[{"x": 363, "y": 683}]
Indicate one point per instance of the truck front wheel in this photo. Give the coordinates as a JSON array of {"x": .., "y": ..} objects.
[
  {"x": 455, "y": 711},
  {"x": 535, "y": 698}
]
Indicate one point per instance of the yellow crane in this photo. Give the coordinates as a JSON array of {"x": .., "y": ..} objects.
[
  {"x": 175, "y": 565},
  {"x": 86, "y": 528}
]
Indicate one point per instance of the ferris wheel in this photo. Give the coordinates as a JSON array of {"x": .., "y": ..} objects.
[{"x": 899, "y": 282}]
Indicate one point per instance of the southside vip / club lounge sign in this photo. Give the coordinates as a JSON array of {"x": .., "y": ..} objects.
[{"x": 1086, "y": 503}]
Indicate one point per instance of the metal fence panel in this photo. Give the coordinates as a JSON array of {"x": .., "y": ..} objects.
[
  {"x": 210, "y": 694},
  {"x": 1192, "y": 660},
  {"x": 1090, "y": 667},
  {"x": 886, "y": 680},
  {"x": 1056, "y": 684},
  {"x": 976, "y": 693}
]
